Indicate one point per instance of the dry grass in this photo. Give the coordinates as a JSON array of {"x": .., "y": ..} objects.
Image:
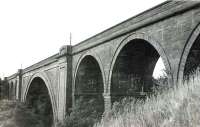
[
  {"x": 6, "y": 112},
  {"x": 16, "y": 114},
  {"x": 177, "y": 107}
]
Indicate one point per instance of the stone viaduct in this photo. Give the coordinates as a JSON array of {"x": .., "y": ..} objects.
[{"x": 105, "y": 66}]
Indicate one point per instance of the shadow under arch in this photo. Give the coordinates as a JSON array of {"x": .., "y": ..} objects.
[
  {"x": 193, "y": 39},
  {"x": 139, "y": 39},
  {"x": 11, "y": 90},
  {"x": 16, "y": 90},
  {"x": 97, "y": 58},
  {"x": 41, "y": 86},
  {"x": 89, "y": 80}
]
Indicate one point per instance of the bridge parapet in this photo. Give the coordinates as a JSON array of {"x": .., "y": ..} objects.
[{"x": 42, "y": 63}]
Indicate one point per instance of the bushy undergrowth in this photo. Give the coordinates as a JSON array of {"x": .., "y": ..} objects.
[
  {"x": 17, "y": 114},
  {"x": 175, "y": 107},
  {"x": 85, "y": 113}
]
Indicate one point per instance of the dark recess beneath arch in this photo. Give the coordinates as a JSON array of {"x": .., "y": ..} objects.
[
  {"x": 133, "y": 70},
  {"x": 89, "y": 82},
  {"x": 39, "y": 101}
]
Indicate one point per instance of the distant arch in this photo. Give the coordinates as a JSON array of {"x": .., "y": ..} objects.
[{"x": 11, "y": 91}]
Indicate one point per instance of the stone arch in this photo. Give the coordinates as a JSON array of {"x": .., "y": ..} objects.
[
  {"x": 151, "y": 41},
  {"x": 91, "y": 84},
  {"x": 48, "y": 85},
  {"x": 186, "y": 50},
  {"x": 97, "y": 58}
]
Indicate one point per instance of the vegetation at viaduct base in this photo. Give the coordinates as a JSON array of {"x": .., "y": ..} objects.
[
  {"x": 17, "y": 114},
  {"x": 34, "y": 113},
  {"x": 175, "y": 107}
]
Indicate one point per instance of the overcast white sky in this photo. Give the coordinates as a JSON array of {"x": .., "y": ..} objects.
[{"x": 31, "y": 30}]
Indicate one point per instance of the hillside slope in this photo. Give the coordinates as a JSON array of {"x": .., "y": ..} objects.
[{"x": 177, "y": 107}]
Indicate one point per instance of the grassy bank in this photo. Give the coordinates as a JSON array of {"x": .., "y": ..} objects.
[
  {"x": 177, "y": 107},
  {"x": 17, "y": 114}
]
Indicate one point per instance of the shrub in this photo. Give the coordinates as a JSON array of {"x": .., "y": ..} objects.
[
  {"x": 85, "y": 113},
  {"x": 160, "y": 85},
  {"x": 17, "y": 114},
  {"x": 26, "y": 117}
]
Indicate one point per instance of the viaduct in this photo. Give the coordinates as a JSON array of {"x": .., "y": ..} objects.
[{"x": 105, "y": 66}]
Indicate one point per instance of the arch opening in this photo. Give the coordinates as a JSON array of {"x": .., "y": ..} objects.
[
  {"x": 39, "y": 101},
  {"x": 159, "y": 70},
  {"x": 133, "y": 73},
  {"x": 11, "y": 90},
  {"x": 89, "y": 83},
  {"x": 192, "y": 61}
]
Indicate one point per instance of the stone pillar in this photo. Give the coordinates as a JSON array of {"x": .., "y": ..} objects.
[
  {"x": 17, "y": 90},
  {"x": 107, "y": 102},
  {"x": 64, "y": 85},
  {"x": 19, "y": 85},
  {"x": 69, "y": 79}
]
